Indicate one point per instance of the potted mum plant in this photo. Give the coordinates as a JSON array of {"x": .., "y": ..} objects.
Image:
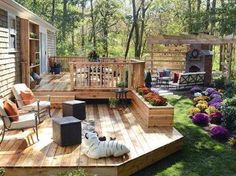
[
  {"x": 113, "y": 102},
  {"x": 121, "y": 85}
]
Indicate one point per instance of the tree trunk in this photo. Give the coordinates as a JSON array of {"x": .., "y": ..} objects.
[
  {"x": 64, "y": 21},
  {"x": 129, "y": 39},
  {"x": 93, "y": 24},
  {"x": 53, "y": 12},
  {"x": 199, "y": 2},
  {"x": 143, "y": 12},
  {"x": 82, "y": 27},
  {"x": 136, "y": 29},
  {"x": 190, "y": 16},
  {"x": 213, "y": 17},
  {"x": 207, "y": 16}
]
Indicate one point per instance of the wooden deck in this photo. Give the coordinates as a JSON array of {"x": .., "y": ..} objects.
[{"x": 21, "y": 154}]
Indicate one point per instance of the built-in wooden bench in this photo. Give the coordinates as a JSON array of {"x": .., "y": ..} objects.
[{"x": 189, "y": 79}]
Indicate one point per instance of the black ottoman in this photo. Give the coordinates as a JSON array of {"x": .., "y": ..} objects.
[
  {"x": 66, "y": 131},
  {"x": 74, "y": 108}
]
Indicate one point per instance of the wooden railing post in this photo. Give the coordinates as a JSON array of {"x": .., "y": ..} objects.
[
  {"x": 72, "y": 73},
  {"x": 130, "y": 75}
]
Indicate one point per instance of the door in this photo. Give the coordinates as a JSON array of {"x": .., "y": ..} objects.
[{"x": 43, "y": 53}]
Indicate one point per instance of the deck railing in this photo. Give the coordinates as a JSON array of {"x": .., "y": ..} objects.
[
  {"x": 106, "y": 74},
  {"x": 65, "y": 60}
]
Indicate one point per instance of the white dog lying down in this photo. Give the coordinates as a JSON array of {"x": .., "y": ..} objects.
[{"x": 97, "y": 149}]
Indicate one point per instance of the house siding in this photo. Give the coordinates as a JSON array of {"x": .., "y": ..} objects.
[
  {"x": 10, "y": 71},
  {"x": 51, "y": 42}
]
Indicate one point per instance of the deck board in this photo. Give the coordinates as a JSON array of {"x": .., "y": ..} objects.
[{"x": 16, "y": 152}]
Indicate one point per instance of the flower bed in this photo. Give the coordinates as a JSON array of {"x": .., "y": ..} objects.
[
  {"x": 217, "y": 115},
  {"x": 153, "y": 108}
]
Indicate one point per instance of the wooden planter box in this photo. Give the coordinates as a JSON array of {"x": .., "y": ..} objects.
[{"x": 161, "y": 116}]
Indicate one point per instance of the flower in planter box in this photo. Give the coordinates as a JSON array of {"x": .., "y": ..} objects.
[
  {"x": 216, "y": 118},
  {"x": 201, "y": 119},
  {"x": 149, "y": 96},
  {"x": 217, "y": 105},
  {"x": 219, "y": 133},
  {"x": 144, "y": 91},
  {"x": 158, "y": 101}
]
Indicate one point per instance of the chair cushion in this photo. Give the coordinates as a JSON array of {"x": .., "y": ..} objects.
[
  {"x": 11, "y": 110},
  {"x": 16, "y": 89},
  {"x": 25, "y": 121},
  {"x": 176, "y": 77},
  {"x": 27, "y": 96},
  {"x": 33, "y": 106}
]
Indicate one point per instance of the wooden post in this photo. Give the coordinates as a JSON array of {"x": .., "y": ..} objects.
[
  {"x": 152, "y": 58},
  {"x": 130, "y": 75},
  {"x": 72, "y": 79}
]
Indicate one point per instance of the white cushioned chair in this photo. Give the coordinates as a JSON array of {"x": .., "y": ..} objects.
[
  {"x": 26, "y": 120},
  {"x": 17, "y": 88}
]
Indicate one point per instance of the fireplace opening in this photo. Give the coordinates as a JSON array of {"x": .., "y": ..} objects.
[{"x": 194, "y": 68}]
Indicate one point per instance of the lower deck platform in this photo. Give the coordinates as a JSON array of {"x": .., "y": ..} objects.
[{"x": 21, "y": 154}]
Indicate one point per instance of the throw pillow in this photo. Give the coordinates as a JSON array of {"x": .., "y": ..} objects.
[
  {"x": 176, "y": 77},
  {"x": 27, "y": 96},
  {"x": 11, "y": 110}
]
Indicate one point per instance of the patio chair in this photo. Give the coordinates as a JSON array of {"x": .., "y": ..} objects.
[
  {"x": 17, "y": 88},
  {"x": 26, "y": 120}
]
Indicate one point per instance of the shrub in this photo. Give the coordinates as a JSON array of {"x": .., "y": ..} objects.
[
  {"x": 229, "y": 117},
  {"x": 77, "y": 172},
  {"x": 158, "y": 101},
  {"x": 201, "y": 119},
  {"x": 216, "y": 118},
  {"x": 231, "y": 102},
  {"x": 219, "y": 133},
  {"x": 219, "y": 83},
  {"x": 2, "y": 172}
]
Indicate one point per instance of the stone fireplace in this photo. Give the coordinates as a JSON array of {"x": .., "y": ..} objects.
[{"x": 200, "y": 61}]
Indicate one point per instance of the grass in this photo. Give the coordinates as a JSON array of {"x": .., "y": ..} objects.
[{"x": 200, "y": 155}]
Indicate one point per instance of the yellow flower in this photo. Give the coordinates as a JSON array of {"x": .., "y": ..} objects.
[
  {"x": 202, "y": 102},
  {"x": 205, "y": 98},
  {"x": 211, "y": 109},
  {"x": 202, "y": 107},
  {"x": 193, "y": 111}
]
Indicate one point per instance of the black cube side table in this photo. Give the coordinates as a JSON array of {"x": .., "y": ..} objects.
[
  {"x": 75, "y": 108},
  {"x": 66, "y": 131}
]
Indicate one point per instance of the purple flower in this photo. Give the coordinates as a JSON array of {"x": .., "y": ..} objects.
[
  {"x": 216, "y": 95},
  {"x": 216, "y": 118},
  {"x": 215, "y": 100},
  {"x": 217, "y": 105},
  {"x": 210, "y": 90},
  {"x": 200, "y": 119},
  {"x": 219, "y": 133},
  {"x": 195, "y": 89}
]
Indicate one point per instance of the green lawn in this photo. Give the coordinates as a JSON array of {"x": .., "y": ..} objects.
[{"x": 200, "y": 154}]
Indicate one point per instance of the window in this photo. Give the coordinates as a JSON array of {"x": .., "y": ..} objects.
[{"x": 12, "y": 31}]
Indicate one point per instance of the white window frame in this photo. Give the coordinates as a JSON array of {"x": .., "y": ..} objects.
[{"x": 12, "y": 32}]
